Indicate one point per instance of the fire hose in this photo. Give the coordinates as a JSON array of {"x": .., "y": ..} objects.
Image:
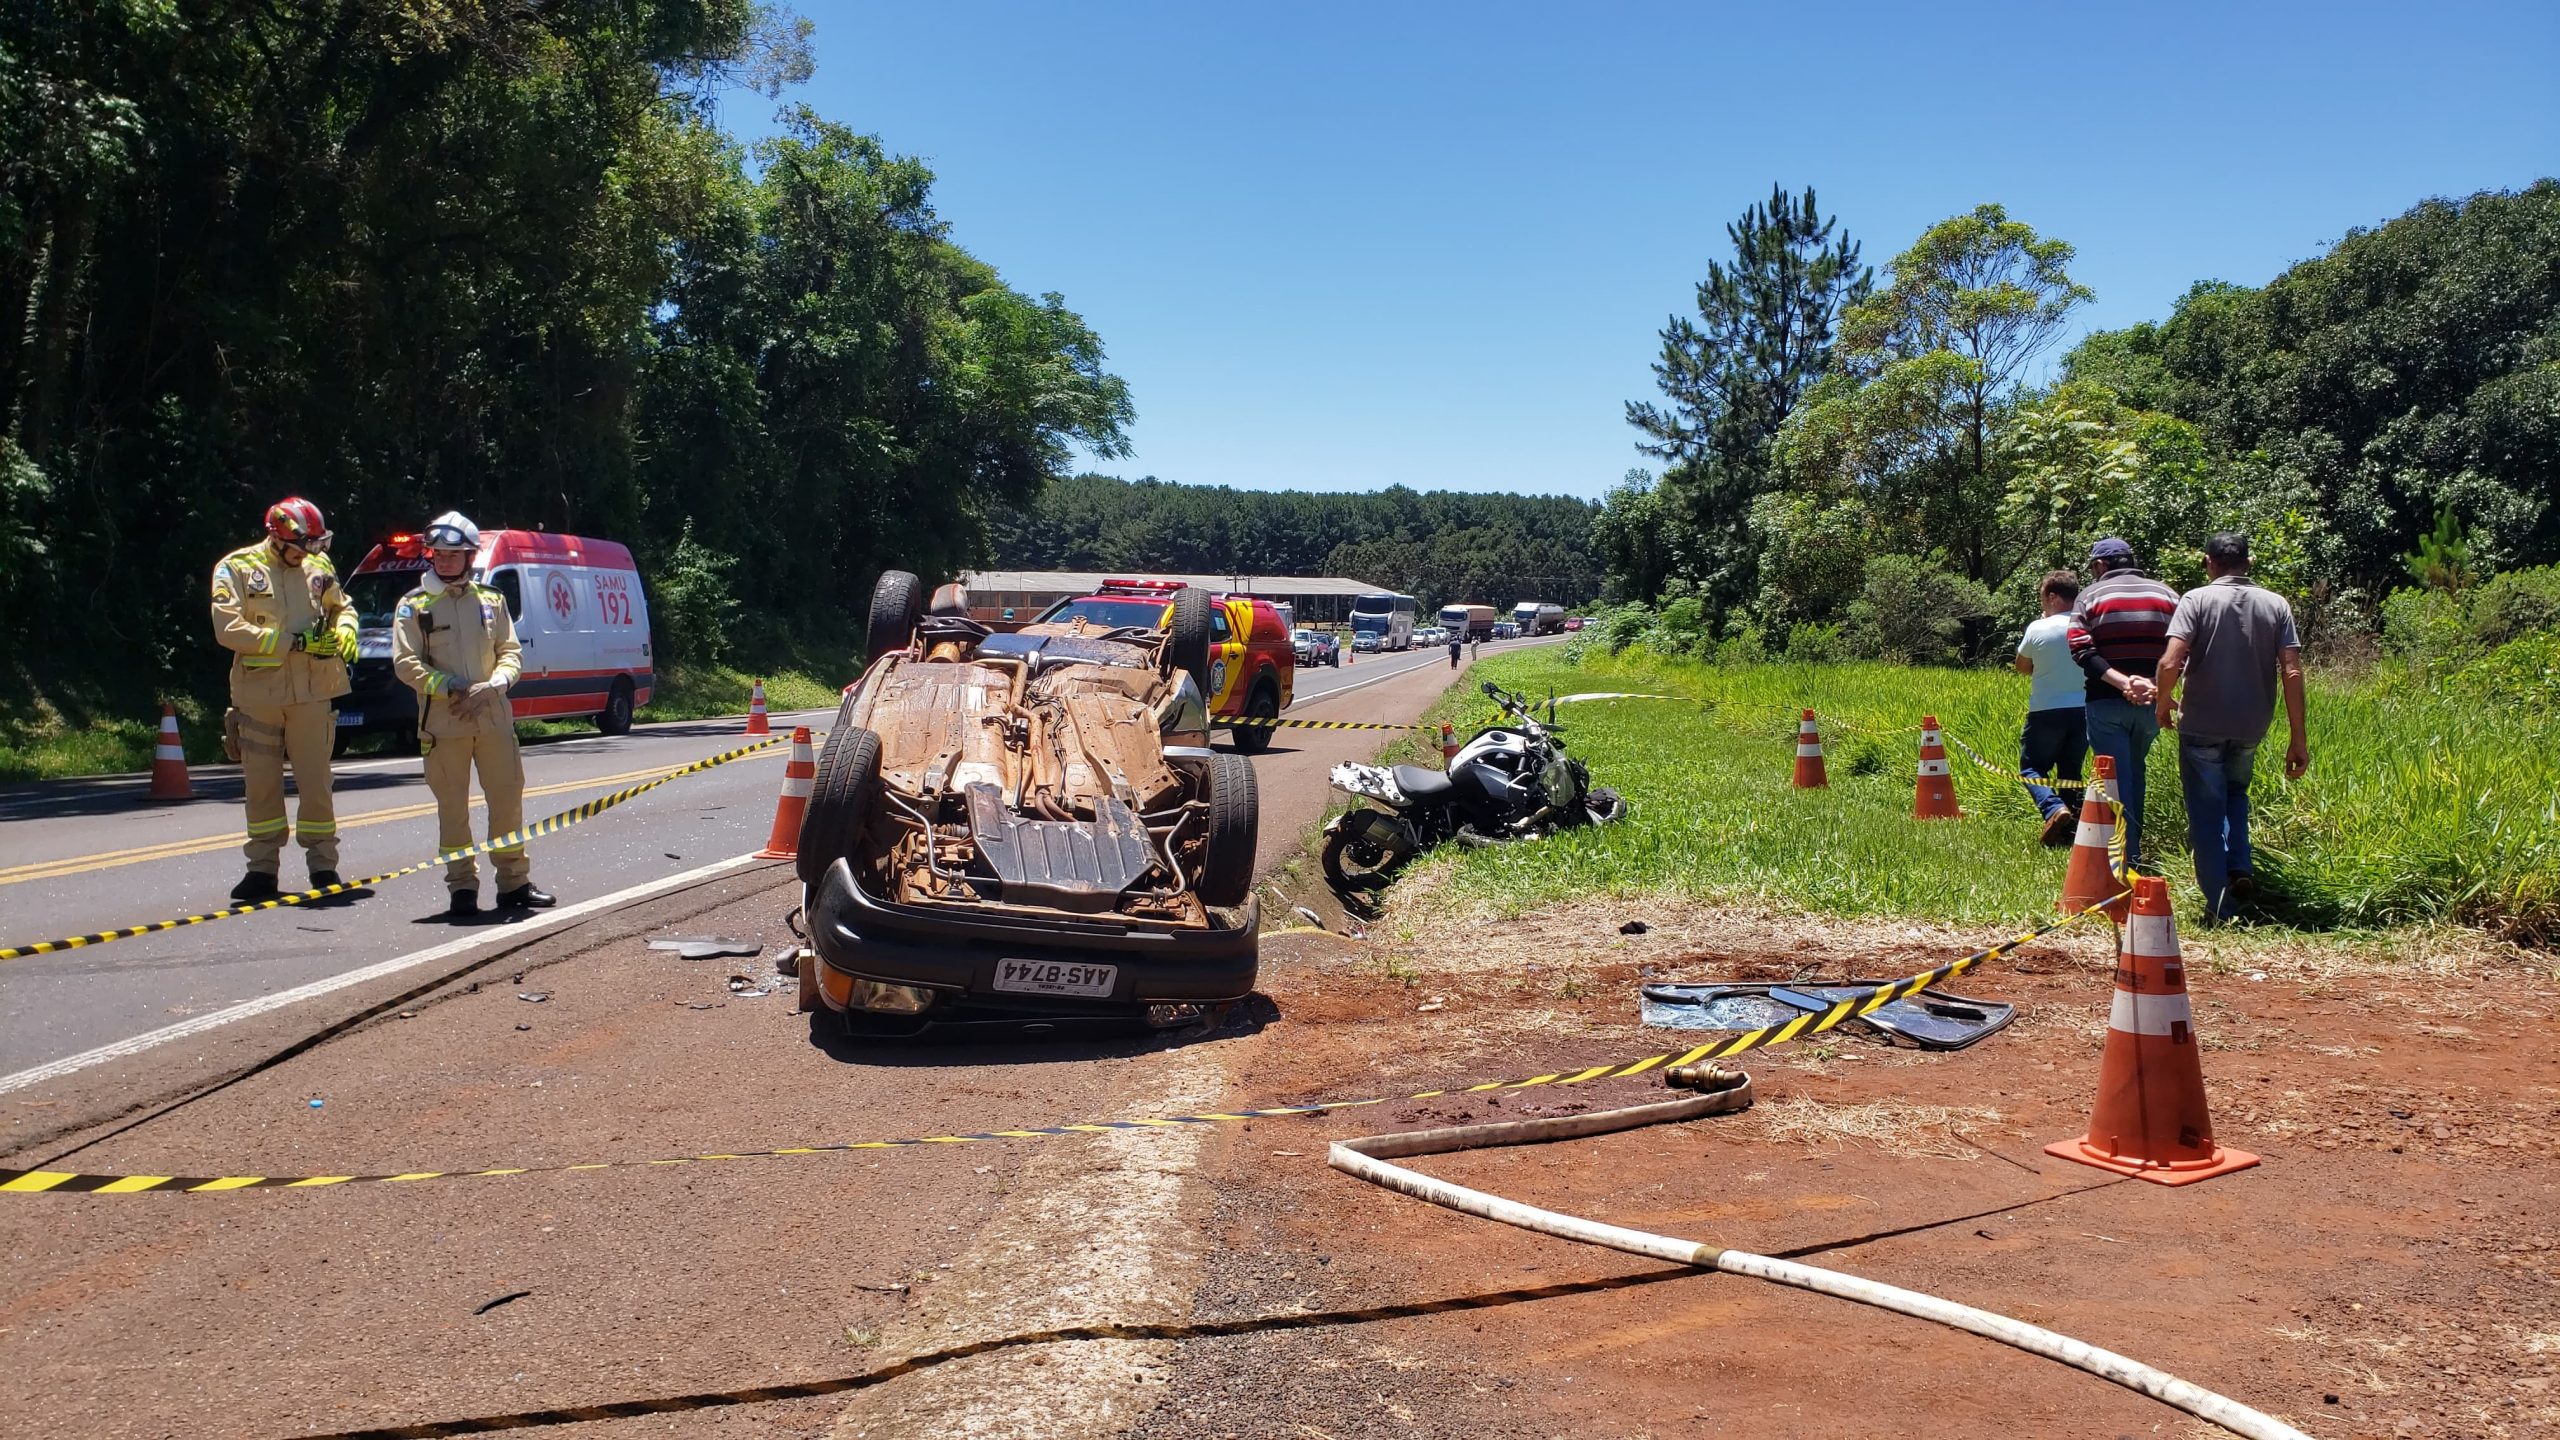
[{"x": 1728, "y": 1091}]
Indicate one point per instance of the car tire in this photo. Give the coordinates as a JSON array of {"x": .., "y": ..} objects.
[
  {"x": 339, "y": 740},
  {"x": 841, "y": 798},
  {"x": 1186, "y": 646},
  {"x": 1264, "y": 705},
  {"x": 897, "y": 603},
  {"x": 1235, "y": 830},
  {"x": 615, "y": 719}
]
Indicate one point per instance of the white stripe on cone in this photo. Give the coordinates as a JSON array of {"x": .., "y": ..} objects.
[
  {"x": 1933, "y": 767},
  {"x": 797, "y": 786},
  {"x": 2092, "y": 832},
  {"x": 1804, "y": 751},
  {"x": 2151, "y": 935},
  {"x": 2168, "y": 1015}
]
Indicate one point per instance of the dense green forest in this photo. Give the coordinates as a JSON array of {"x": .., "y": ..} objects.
[
  {"x": 1440, "y": 545},
  {"x": 1864, "y": 465},
  {"x": 399, "y": 258}
]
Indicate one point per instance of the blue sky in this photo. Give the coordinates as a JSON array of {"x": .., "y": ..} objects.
[{"x": 1348, "y": 246}]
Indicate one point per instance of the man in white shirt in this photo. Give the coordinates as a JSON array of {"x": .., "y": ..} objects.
[{"x": 2056, "y": 736}]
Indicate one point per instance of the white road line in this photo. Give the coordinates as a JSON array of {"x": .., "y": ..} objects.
[{"x": 198, "y": 1025}]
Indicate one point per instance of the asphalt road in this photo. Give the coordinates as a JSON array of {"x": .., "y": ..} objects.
[
  {"x": 565, "y": 1042},
  {"x": 89, "y": 855}
]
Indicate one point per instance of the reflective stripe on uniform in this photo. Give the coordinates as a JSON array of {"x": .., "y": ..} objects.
[
  {"x": 316, "y": 827},
  {"x": 2168, "y": 1015},
  {"x": 259, "y": 829}
]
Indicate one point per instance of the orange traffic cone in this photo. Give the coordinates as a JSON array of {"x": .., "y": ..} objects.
[
  {"x": 169, "y": 762},
  {"x": 2091, "y": 875},
  {"x": 757, "y": 721},
  {"x": 1936, "y": 799},
  {"x": 1448, "y": 747},
  {"x": 797, "y": 773},
  {"x": 1809, "y": 772},
  {"x": 2150, "y": 1119}
]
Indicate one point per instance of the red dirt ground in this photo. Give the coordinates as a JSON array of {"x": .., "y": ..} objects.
[{"x": 2389, "y": 1270}]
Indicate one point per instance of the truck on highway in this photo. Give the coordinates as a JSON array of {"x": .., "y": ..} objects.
[
  {"x": 1468, "y": 622},
  {"x": 1536, "y": 617}
]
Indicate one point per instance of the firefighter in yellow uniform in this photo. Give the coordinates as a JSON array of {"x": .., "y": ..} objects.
[
  {"x": 453, "y": 642},
  {"x": 280, "y": 611}
]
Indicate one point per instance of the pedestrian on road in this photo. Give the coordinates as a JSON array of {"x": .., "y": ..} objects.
[
  {"x": 1457, "y": 641},
  {"x": 2057, "y": 732},
  {"x": 2234, "y": 643},
  {"x": 2119, "y": 626},
  {"x": 454, "y": 643},
  {"x": 280, "y": 611}
]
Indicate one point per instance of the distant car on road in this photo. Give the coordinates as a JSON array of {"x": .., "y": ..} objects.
[
  {"x": 1573, "y": 622},
  {"x": 1505, "y": 630},
  {"x": 1316, "y": 647},
  {"x": 1364, "y": 643}
]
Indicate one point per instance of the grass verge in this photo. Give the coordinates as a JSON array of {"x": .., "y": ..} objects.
[{"x": 2413, "y": 813}]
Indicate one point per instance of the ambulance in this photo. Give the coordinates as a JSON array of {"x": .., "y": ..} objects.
[{"x": 580, "y": 613}]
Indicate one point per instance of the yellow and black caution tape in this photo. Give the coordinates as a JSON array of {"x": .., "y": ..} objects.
[
  {"x": 2047, "y": 781},
  {"x": 576, "y": 814},
  {"x": 1276, "y": 723},
  {"x": 68, "y": 1182}
]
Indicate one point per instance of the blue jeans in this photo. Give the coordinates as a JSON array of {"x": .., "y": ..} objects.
[
  {"x": 2216, "y": 776},
  {"x": 2123, "y": 732},
  {"x": 2052, "y": 744}
]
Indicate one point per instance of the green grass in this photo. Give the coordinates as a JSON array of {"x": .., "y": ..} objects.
[{"x": 2416, "y": 810}]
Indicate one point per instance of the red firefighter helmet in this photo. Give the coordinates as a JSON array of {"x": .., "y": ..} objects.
[{"x": 296, "y": 521}]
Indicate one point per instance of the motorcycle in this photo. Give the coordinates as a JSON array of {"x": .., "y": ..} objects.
[{"x": 1511, "y": 782}]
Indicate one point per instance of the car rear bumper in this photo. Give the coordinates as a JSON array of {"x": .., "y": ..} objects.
[{"x": 857, "y": 937}]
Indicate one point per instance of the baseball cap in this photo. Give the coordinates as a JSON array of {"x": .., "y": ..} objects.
[{"x": 2111, "y": 550}]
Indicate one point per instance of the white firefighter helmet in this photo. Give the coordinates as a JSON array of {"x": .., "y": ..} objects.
[{"x": 452, "y": 530}]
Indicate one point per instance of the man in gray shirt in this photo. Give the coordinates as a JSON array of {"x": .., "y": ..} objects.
[{"x": 2233, "y": 643}]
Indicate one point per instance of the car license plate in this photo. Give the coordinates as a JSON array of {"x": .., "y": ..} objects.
[
  {"x": 350, "y": 717},
  {"x": 1056, "y": 977}
]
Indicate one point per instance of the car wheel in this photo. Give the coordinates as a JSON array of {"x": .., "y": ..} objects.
[
  {"x": 897, "y": 603},
  {"x": 339, "y": 740},
  {"x": 1186, "y": 646},
  {"x": 841, "y": 798},
  {"x": 1235, "y": 828},
  {"x": 616, "y": 719},
  {"x": 1265, "y": 705}
]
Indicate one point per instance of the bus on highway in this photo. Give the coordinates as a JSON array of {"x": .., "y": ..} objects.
[
  {"x": 1388, "y": 616},
  {"x": 1536, "y": 618},
  {"x": 1468, "y": 622}
]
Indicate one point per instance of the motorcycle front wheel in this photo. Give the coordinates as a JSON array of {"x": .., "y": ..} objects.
[{"x": 1356, "y": 862}]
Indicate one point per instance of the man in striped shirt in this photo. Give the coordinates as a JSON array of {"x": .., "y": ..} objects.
[{"x": 2119, "y": 628}]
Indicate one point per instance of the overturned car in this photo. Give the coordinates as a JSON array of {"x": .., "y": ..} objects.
[{"x": 1028, "y": 826}]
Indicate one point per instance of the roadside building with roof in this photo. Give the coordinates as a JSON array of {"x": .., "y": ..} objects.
[{"x": 1314, "y": 599}]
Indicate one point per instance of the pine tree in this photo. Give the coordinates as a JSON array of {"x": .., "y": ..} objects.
[{"x": 1729, "y": 378}]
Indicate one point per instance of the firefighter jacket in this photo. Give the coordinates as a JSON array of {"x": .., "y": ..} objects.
[
  {"x": 262, "y": 611},
  {"x": 446, "y": 639}
]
